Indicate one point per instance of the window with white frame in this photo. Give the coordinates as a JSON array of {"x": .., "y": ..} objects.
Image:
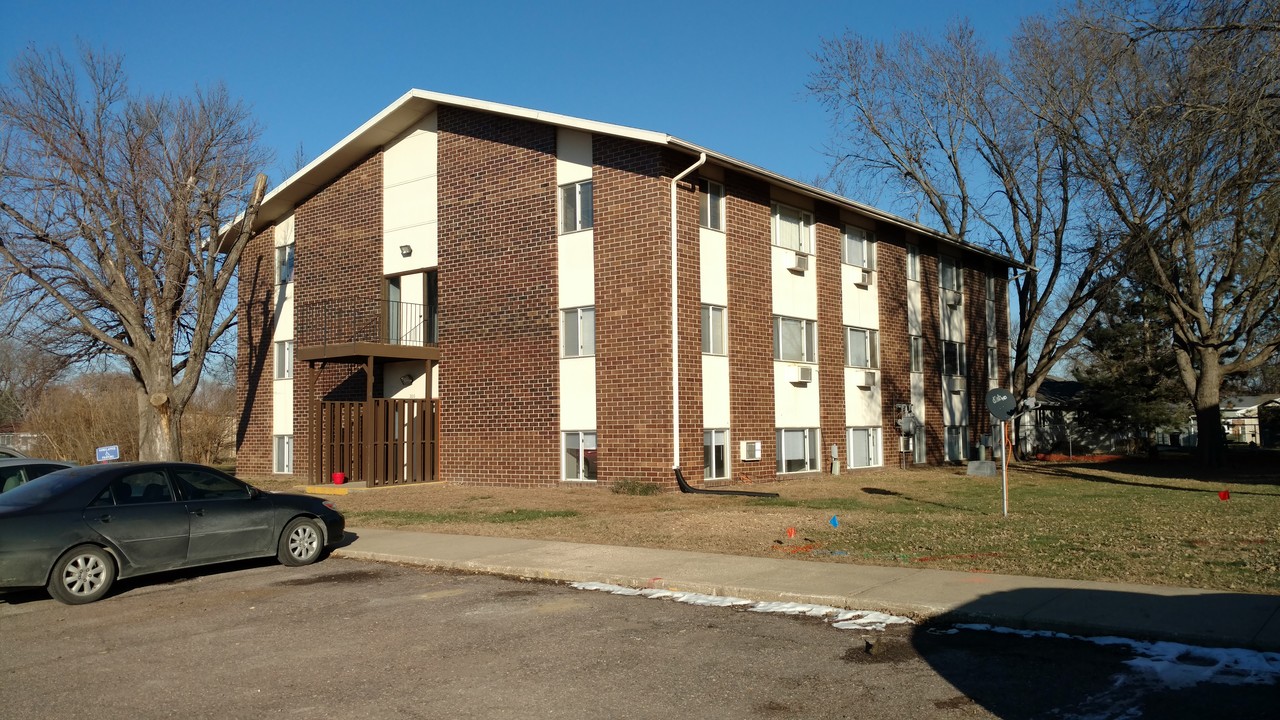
[
  {"x": 950, "y": 274},
  {"x": 284, "y": 359},
  {"x": 798, "y": 450},
  {"x": 913, "y": 263},
  {"x": 283, "y": 454},
  {"x": 952, "y": 358},
  {"x": 579, "y": 331},
  {"x": 864, "y": 447},
  {"x": 710, "y": 204},
  {"x": 580, "y": 455},
  {"x": 858, "y": 247},
  {"x": 713, "y": 333},
  {"x": 917, "y": 354},
  {"x": 920, "y": 454},
  {"x": 284, "y": 264},
  {"x": 957, "y": 447},
  {"x": 575, "y": 207},
  {"x": 792, "y": 228},
  {"x": 861, "y": 348},
  {"x": 993, "y": 367},
  {"x": 991, "y": 306},
  {"x": 795, "y": 340},
  {"x": 715, "y": 454}
]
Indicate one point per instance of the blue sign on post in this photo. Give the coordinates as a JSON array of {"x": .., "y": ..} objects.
[{"x": 108, "y": 453}]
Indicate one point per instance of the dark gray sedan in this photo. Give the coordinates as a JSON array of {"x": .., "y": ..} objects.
[{"x": 75, "y": 531}]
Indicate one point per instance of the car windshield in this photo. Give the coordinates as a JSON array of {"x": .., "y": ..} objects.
[{"x": 43, "y": 489}]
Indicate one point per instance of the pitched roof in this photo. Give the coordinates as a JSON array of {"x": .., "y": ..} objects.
[{"x": 411, "y": 107}]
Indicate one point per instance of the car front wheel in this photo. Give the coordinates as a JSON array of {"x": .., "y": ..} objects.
[
  {"x": 301, "y": 542},
  {"x": 83, "y": 574}
]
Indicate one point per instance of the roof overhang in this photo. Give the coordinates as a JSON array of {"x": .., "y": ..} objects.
[{"x": 414, "y": 105}]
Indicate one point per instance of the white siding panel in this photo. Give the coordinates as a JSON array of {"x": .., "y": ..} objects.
[
  {"x": 913, "y": 309},
  {"x": 281, "y": 406},
  {"x": 578, "y": 393},
  {"x": 422, "y": 238},
  {"x": 714, "y": 269},
  {"x": 715, "y": 391},
  {"x": 576, "y": 266},
  {"x": 795, "y": 406},
  {"x": 412, "y": 156},
  {"x": 861, "y": 405},
  {"x": 573, "y": 157},
  {"x": 860, "y": 306},
  {"x": 794, "y": 294}
]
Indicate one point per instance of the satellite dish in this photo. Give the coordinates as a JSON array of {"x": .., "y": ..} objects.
[{"x": 1001, "y": 404}]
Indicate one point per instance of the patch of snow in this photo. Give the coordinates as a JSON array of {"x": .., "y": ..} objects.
[
  {"x": 838, "y": 617},
  {"x": 1175, "y": 665}
]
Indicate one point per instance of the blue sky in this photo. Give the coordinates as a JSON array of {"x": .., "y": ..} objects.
[{"x": 727, "y": 75}]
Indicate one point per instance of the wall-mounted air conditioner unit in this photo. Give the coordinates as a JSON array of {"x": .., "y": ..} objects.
[
  {"x": 750, "y": 450},
  {"x": 800, "y": 263},
  {"x": 905, "y": 443},
  {"x": 952, "y": 298},
  {"x": 801, "y": 374},
  {"x": 862, "y": 278},
  {"x": 956, "y": 384},
  {"x": 867, "y": 379}
]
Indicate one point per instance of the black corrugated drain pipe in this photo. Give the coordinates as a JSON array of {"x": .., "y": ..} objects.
[{"x": 687, "y": 488}]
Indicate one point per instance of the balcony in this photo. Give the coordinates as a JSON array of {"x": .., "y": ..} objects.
[{"x": 354, "y": 330}]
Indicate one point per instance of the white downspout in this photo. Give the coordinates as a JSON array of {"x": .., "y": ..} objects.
[{"x": 675, "y": 324}]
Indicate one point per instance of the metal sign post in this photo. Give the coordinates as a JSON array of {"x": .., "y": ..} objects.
[{"x": 1003, "y": 408}]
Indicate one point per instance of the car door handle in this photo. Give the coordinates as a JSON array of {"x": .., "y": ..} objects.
[
  {"x": 198, "y": 511},
  {"x": 105, "y": 518}
]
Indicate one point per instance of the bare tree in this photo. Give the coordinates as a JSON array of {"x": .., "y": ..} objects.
[
  {"x": 110, "y": 206},
  {"x": 1170, "y": 109},
  {"x": 25, "y": 372},
  {"x": 949, "y": 124}
]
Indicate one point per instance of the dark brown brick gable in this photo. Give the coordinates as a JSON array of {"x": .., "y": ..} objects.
[
  {"x": 833, "y": 394},
  {"x": 499, "y": 321}
]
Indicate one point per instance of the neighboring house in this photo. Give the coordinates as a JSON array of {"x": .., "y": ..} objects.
[
  {"x": 1241, "y": 421},
  {"x": 1057, "y": 425},
  {"x": 480, "y": 293}
]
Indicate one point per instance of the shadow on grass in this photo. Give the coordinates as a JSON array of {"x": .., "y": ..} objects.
[
  {"x": 1075, "y": 472},
  {"x": 1015, "y": 676},
  {"x": 1243, "y": 466},
  {"x": 908, "y": 498}
]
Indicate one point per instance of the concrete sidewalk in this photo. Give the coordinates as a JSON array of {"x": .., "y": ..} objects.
[{"x": 1143, "y": 612}]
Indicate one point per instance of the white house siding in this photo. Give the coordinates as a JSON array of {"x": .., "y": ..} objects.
[
  {"x": 576, "y": 284},
  {"x": 282, "y": 390}
]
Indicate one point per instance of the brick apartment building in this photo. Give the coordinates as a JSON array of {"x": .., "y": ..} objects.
[{"x": 486, "y": 294}]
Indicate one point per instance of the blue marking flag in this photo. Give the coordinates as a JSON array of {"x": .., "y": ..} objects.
[{"x": 835, "y": 521}]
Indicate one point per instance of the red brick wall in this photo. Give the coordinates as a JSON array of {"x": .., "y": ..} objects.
[
  {"x": 338, "y": 235},
  {"x": 499, "y": 323},
  {"x": 254, "y": 356},
  {"x": 832, "y": 396},
  {"x": 750, "y": 323},
  {"x": 931, "y": 326},
  {"x": 895, "y": 340}
]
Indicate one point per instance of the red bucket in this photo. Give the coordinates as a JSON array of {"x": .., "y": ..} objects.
[{"x": 339, "y": 478}]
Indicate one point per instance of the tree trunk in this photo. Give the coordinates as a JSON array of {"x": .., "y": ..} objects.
[
  {"x": 159, "y": 426},
  {"x": 1211, "y": 444}
]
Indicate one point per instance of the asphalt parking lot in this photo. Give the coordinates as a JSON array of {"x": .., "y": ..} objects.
[{"x": 345, "y": 638}]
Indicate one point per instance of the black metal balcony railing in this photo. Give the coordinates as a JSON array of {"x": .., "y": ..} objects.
[{"x": 386, "y": 322}]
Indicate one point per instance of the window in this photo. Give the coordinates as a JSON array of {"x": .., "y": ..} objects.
[
  {"x": 144, "y": 487},
  {"x": 575, "y": 207},
  {"x": 913, "y": 263},
  {"x": 204, "y": 485},
  {"x": 952, "y": 358},
  {"x": 795, "y": 340},
  {"x": 956, "y": 445},
  {"x": 284, "y": 264},
  {"x": 712, "y": 330},
  {"x": 858, "y": 247},
  {"x": 993, "y": 367},
  {"x": 284, "y": 454},
  {"x": 792, "y": 228},
  {"x": 711, "y": 204},
  {"x": 950, "y": 275},
  {"x": 921, "y": 454},
  {"x": 284, "y": 359},
  {"x": 580, "y": 456},
  {"x": 860, "y": 348},
  {"x": 797, "y": 450},
  {"x": 715, "y": 456},
  {"x": 579, "y": 332},
  {"x": 917, "y": 354},
  {"x": 864, "y": 447}
]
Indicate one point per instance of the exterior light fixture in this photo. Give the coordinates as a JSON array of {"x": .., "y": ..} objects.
[
  {"x": 406, "y": 250},
  {"x": 406, "y": 379}
]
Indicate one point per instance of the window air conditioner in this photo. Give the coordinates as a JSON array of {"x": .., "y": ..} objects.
[
  {"x": 750, "y": 450},
  {"x": 951, "y": 298},
  {"x": 956, "y": 384},
  {"x": 801, "y": 374},
  {"x": 800, "y": 263},
  {"x": 868, "y": 379},
  {"x": 905, "y": 443},
  {"x": 863, "y": 279}
]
